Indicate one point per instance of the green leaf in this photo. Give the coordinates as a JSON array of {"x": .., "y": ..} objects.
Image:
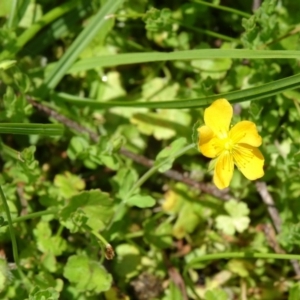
[
  {"x": 238, "y": 267},
  {"x": 124, "y": 180},
  {"x": 160, "y": 235},
  {"x": 215, "y": 294},
  {"x": 215, "y": 69},
  {"x": 289, "y": 236},
  {"x": 5, "y": 274},
  {"x": 87, "y": 274},
  {"x": 294, "y": 292},
  {"x": 47, "y": 243},
  {"x": 188, "y": 219},
  {"x": 169, "y": 152},
  {"x": 43, "y": 294},
  {"x": 236, "y": 209},
  {"x": 94, "y": 209},
  {"x": 68, "y": 184},
  {"x": 128, "y": 259},
  {"x": 225, "y": 224},
  {"x": 237, "y": 220},
  {"x": 141, "y": 201},
  {"x": 6, "y": 64}
]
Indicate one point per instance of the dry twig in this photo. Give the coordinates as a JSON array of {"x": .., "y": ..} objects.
[
  {"x": 140, "y": 159},
  {"x": 267, "y": 198}
]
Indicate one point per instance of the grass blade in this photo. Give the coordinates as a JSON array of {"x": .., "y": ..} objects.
[
  {"x": 80, "y": 43},
  {"x": 134, "y": 58},
  {"x": 23, "y": 128},
  {"x": 256, "y": 93},
  {"x": 36, "y": 27}
]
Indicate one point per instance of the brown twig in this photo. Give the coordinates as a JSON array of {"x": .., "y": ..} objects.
[
  {"x": 261, "y": 187},
  {"x": 140, "y": 159}
]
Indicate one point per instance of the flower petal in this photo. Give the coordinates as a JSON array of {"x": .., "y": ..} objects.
[
  {"x": 208, "y": 144},
  {"x": 218, "y": 117},
  {"x": 249, "y": 160},
  {"x": 245, "y": 132},
  {"x": 223, "y": 170}
]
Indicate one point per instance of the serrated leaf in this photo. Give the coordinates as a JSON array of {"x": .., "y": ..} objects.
[
  {"x": 241, "y": 223},
  {"x": 87, "y": 275},
  {"x": 238, "y": 267},
  {"x": 94, "y": 205},
  {"x": 68, "y": 184},
  {"x": 225, "y": 224},
  {"x": 124, "y": 180},
  {"x": 43, "y": 294},
  {"x": 166, "y": 156},
  {"x": 47, "y": 243},
  {"x": 215, "y": 294},
  {"x": 236, "y": 209},
  {"x": 141, "y": 201}
]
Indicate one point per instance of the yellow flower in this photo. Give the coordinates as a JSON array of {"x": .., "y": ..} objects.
[{"x": 230, "y": 146}]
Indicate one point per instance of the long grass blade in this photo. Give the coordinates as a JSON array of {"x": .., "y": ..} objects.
[
  {"x": 256, "y": 93},
  {"x": 23, "y": 128},
  {"x": 36, "y": 27},
  {"x": 80, "y": 43},
  {"x": 134, "y": 58}
]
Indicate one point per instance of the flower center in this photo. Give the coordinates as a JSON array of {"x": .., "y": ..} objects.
[{"x": 228, "y": 144}]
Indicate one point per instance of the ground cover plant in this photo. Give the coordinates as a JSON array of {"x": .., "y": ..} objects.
[{"x": 149, "y": 149}]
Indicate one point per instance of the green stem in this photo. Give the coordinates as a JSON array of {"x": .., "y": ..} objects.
[
  {"x": 208, "y": 32},
  {"x": 12, "y": 14},
  {"x": 227, "y": 255},
  {"x": 120, "y": 210},
  {"x": 13, "y": 240},
  {"x": 100, "y": 238},
  {"x": 10, "y": 227},
  {"x": 11, "y": 152},
  {"x": 36, "y": 27},
  {"x": 224, "y": 8},
  {"x": 33, "y": 215},
  {"x": 155, "y": 168}
]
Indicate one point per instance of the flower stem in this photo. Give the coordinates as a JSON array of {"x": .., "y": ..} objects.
[
  {"x": 13, "y": 240},
  {"x": 32, "y": 215},
  {"x": 154, "y": 169},
  {"x": 246, "y": 254},
  {"x": 120, "y": 210}
]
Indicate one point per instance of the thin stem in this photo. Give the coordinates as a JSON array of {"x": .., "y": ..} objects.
[
  {"x": 10, "y": 227},
  {"x": 120, "y": 210},
  {"x": 106, "y": 247},
  {"x": 224, "y": 8},
  {"x": 13, "y": 239},
  {"x": 227, "y": 255},
  {"x": 11, "y": 152},
  {"x": 208, "y": 32},
  {"x": 293, "y": 31},
  {"x": 33, "y": 215},
  {"x": 100, "y": 238},
  {"x": 154, "y": 169}
]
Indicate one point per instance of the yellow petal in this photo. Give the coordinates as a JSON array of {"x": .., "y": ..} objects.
[
  {"x": 218, "y": 117},
  {"x": 208, "y": 144},
  {"x": 245, "y": 132},
  {"x": 223, "y": 170},
  {"x": 249, "y": 160}
]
